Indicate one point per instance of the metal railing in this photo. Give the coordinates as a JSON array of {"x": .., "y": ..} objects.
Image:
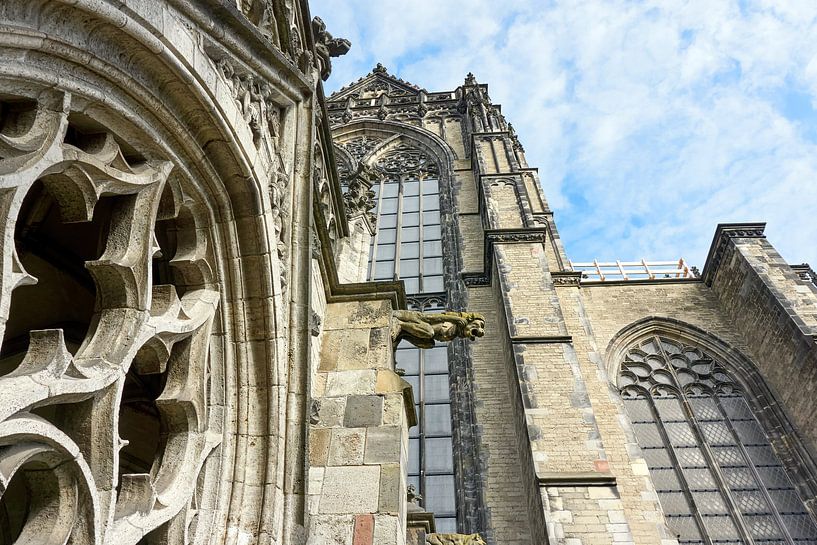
[{"x": 601, "y": 271}]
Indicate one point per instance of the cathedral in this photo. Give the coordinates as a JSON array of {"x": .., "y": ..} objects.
[{"x": 236, "y": 311}]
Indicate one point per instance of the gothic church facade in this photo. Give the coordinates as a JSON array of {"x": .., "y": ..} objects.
[{"x": 236, "y": 311}]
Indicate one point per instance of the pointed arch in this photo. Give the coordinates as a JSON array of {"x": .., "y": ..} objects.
[{"x": 703, "y": 390}]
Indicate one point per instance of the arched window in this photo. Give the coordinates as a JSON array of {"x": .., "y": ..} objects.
[
  {"x": 408, "y": 246},
  {"x": 718, "y": 478},
  {"x": 408, "y": 243}
]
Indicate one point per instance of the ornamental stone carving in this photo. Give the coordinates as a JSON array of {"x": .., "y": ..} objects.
[
  {"x": 140, "y": 361},
  {"x": 360, "y": 147},
  {"x": 422, "y": 330},
  {"x": 359, "y": 198},
  {"x": 455, "y": 539},
  {"x": 405, "y": 160},
  {"x": 254, "y": 100}
]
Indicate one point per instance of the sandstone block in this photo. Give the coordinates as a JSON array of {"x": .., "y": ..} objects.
[{"x": 350, "y": 489}]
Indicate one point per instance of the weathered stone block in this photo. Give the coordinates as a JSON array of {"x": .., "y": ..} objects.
[
  {"x": 383, "y": 444},
  {"x": 354, "y": 489},
  {"x": 346, "y": 446},
  {"x": 319, "y": 439},
  {"x": 345, "y": 350},
  {"x": 330, "y": 530},
  {"x": 358, "y": 315},
  {"x": 363, "y": 411},
  {"x": 343, "y": 383},
  {"x": 390, "y": 489}
]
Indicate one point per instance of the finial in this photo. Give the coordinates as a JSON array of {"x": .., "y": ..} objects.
[
  {"x": 470, "y": 79},
  {"x": 379, "y": 69}
]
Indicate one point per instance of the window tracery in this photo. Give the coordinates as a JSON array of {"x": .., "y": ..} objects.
[
  {"x": 361, "y": 146},
  {"x": 405, "y": 160},
  {"x": 719, "y": 480},
  {"x": 104, "y": 427}
]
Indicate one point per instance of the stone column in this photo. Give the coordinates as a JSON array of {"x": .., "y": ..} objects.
[{"x": 358, "y": 445}]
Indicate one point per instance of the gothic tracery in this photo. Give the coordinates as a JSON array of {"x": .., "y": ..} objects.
[
  {"x": 716, "y": 473},
  {"x": 144, "y": 359}
]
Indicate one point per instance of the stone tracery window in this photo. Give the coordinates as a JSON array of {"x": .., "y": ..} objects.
[
  {"x": 107, "y": 303},
  {"x": 718, "y": 478}
]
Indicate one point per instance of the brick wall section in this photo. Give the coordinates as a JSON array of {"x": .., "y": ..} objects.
[
  {"x": 472, "y": 242},
  {"x": 777, "y": 315},
  {"x": 582, "y": 515},
  {"x": 506, "y": 477},
  {"x": 611, "y": 307},
  {"x": 498, "y": 145},
  {"x": 533, "y": 304},
  {"x": 593, "y": 315},
  {"x": 503, "y": 204},
  {"x": 466, "y": 191},
  {"x": 538, "y": 204},
  {"x": 454, "y": 133},
  {"x": 485, "y": 154},
  {"x": 560, "y": 421}
]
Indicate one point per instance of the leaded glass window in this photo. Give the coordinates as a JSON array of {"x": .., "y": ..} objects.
[
  {"x": 717, "y": 476},
  {"x": 408, "y": 244}
]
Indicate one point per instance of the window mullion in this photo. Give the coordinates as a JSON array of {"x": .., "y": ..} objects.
[
  {"x": 750, "y": 464},
  {"x": 398, "y": 234},
  {"x": 421, "y": 420},
  {"x": 676, "y": 467},
  {"x": 420, "y": 275},
  {"x": 714, "y": 467}
]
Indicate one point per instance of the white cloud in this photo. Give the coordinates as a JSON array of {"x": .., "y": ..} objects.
[{"x": 650, "y": 122}]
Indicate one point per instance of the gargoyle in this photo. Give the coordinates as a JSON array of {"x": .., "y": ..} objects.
[
  {"x": 327, "y": 46},
  {"x": 455, "y": 539},
  {"x": 421, "y": 329}
]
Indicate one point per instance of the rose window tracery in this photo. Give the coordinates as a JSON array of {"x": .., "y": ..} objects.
[
  {"x": 107, "y": 305},
  {"x": 718, "y": 478}
]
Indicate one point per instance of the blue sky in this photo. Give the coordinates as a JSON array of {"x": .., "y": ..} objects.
[{"x": 650, "y": 122}]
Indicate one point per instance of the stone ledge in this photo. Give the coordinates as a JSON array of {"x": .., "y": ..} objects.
[
  {"x": 580, "y": 478},
  {"x": 549, "y": 339}
]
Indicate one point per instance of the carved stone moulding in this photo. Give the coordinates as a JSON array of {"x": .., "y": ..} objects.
[{"x": 107, "y": 303}]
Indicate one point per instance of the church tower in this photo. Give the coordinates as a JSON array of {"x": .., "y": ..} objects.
[{"x": 609, "y": 402}]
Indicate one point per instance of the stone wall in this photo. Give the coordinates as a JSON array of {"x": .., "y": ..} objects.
[
  {"x": 503, "y": 445},
  {"x": 775, "y": 311},
  {"x": 358, "y": 438}
]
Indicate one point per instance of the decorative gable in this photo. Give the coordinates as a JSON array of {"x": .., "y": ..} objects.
[{"x": 376, "y": 83}]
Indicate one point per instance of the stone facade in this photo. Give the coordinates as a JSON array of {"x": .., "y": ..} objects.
[
  {"x": 545, "y": 449},
  {"x": 197, "y": 350}
]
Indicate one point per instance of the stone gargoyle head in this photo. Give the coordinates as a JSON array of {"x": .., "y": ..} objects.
[{"x": 422, "y": 330}]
